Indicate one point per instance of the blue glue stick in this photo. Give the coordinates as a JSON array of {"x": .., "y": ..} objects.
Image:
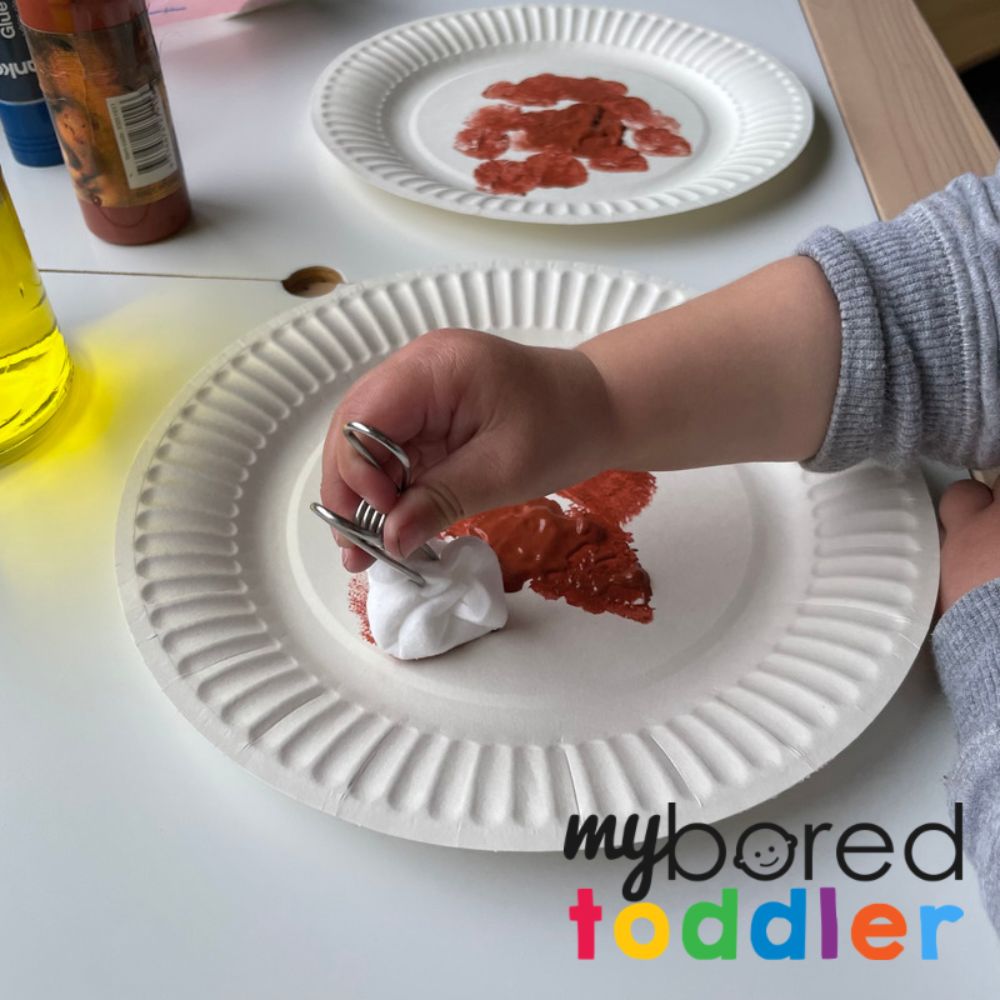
[{"x": 23, "y": 111}]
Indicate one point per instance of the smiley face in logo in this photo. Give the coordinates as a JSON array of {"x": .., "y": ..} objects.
[{"x": 765, "y": 851}]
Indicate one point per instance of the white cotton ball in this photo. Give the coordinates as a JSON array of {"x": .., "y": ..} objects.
[{"x": 462, "y": 600}]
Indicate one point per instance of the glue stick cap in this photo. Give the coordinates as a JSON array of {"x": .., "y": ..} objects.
[{"x": 30, "y": 134}]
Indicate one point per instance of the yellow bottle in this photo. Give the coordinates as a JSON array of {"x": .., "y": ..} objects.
[{"x": 35, "y": 368}]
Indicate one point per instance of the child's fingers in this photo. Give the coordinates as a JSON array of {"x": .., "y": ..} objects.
[
  {"x": 393, "y": 398},
  {"x": 465, "y": 483},
  {"x": 961, "y": 501},
  {"x": 362, "y": 479},
  {"x": 346, "y": 476},
  {"x": 353, "y": 558},
  {"x": 335, "y": 495},
  {"x": 356, "y": 561}
]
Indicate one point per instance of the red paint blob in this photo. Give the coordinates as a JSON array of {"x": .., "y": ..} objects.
[
  {"x": 661, "y": 142},
  {"x": 618, "y": 160},
  {"x": 636, "y": 113},
  {"x": 486, "y": 135},
  {"x": 547, "y": 89},
  {"x": 584, "y": 555},
  {"x": 548, "y": 169},
  {"x": 594, "y": 128}
]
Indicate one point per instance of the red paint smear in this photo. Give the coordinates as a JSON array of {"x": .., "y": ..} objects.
[
  {"x": 547, "y": 89},
  {"x": 593, "y": 129},
  {"x": 661, "y": 142},
  {"x": 357, "y": 601},
  {"x": 619, "y": 160},
  {"x": 549, "y": 169},
  {"x": 636, "y": 113},
  {"x": 616, "y": 496},
  {"x": 583, "y": 555}
]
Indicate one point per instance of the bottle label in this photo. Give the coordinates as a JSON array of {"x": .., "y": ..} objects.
[
  {"x": 18, "y": 83},
  {"x": 108, "y": 104},
  {"x": 143, "y": 134}
]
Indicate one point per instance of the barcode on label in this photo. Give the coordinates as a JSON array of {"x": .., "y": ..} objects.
[{"x": 143, "y": 136}]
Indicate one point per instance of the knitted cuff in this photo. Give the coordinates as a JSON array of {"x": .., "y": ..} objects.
[
  {"x": 907, "y": 381},
  {"x": 857, "y": 407},
  {"x": 967, "y": 650}
]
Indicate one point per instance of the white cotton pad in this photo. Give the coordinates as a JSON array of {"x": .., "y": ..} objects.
[{"x": 462, "y": 600}]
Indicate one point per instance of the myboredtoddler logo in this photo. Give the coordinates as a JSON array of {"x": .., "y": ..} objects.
[{"x": 764, "y": 852}]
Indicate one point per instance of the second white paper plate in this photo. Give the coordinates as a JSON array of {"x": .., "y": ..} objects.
[
  {"x": 391, "y": 107},
  {"x": 788, "y": 605}
]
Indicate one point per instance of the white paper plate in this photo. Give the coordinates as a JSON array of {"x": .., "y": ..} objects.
[
  {"x": 390, "y": 107},
  {"x": 789, "y": 606}
]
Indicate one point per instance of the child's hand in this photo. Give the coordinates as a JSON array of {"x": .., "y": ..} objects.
[
  {"x": 484, "y": 421},
  {"x": 746, "y": 373},
  {"x": 970, "y": 549}
]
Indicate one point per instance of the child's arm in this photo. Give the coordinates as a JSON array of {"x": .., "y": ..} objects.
[
  {"x": 891, "y": 328},
  {"x": 745, "y": 373}
]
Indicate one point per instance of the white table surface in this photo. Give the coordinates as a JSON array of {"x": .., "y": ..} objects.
[{"x": 137, "y": 861}]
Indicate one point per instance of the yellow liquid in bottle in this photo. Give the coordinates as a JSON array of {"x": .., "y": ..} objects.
[{"x": 35, "y": 368}]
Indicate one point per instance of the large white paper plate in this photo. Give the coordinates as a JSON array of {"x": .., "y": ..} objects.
[
  {"x": 390, "y": 107},
  {"x": 789, "y": 606}
]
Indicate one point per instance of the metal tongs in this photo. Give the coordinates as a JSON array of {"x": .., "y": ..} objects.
[{"x": 369, "y": 523}]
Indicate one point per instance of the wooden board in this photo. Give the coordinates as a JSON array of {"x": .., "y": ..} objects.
[
  {"x": 968, "y": 30},
  {"x": 911, "y": 122}
]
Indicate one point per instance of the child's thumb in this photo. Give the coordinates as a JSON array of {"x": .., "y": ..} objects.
[{"x": 456, "y": 488}]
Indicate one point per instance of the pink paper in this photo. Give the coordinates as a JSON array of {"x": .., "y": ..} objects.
[{"x": 171, "y": 11}]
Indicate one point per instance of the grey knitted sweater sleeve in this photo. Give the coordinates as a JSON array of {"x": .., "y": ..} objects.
[
  {"x": 919, "y": 303},
  {"x": 920, "y": 375},
  {"x": 967, "y": 650}
]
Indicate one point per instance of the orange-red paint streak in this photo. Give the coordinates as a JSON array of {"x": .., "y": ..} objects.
[
  {"x": 583, "y": 555},
  {"x": 357, "y": 601}
]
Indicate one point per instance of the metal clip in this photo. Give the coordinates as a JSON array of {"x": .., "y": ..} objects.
[{"x": 369, "y": 523}]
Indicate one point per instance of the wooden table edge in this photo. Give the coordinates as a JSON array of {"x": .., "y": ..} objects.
[{"x": 911, "y": 123}]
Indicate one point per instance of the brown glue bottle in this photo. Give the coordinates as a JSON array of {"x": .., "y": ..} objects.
[{"x": 99, "y": 70}]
